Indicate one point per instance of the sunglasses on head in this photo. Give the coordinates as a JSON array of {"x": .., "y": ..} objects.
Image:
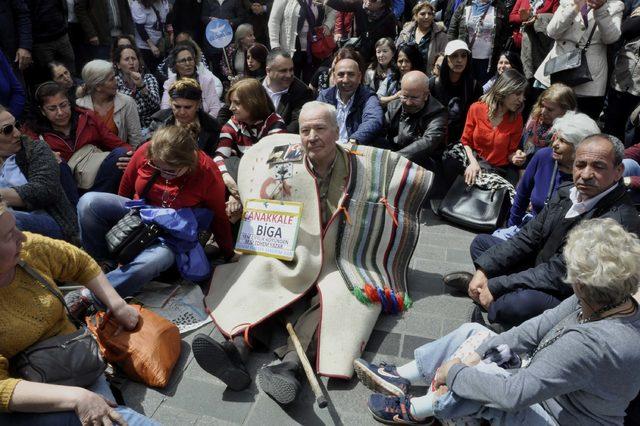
[{"x": 7, "y": 129}]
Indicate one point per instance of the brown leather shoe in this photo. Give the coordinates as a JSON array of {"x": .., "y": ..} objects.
[{"x": 458, "y": 281}]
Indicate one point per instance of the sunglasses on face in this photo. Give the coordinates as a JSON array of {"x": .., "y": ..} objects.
[{"x": 7, "y": 129}]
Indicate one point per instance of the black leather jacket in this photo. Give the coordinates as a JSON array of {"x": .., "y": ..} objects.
[{"x": 419, "y": 135}]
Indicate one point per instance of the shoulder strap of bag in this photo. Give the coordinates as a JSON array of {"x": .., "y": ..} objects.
[
  {"x": 38, "y": 277},
  {"x": 593, "y": 30},
  {"x": 480, "y": 22},
  {"x": 149, "y": 184},
  {"x": 552, "y": 183}
]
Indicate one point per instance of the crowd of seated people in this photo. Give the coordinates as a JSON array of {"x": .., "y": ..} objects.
[{"x": 98, "y": 112}]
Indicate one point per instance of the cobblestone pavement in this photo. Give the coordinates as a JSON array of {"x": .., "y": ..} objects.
[{"x": 195, "y": 397}]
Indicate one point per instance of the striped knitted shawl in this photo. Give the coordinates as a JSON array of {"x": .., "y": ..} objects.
[{"x": 380, "y": 227}]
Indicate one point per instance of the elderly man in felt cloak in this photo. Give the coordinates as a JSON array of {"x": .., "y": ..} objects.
[{"x": 357, "y": 232}]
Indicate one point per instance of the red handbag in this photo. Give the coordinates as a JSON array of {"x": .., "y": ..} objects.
[{"x": 322, "y": 46}]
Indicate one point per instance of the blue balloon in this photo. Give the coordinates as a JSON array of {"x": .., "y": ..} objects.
[{"x": 219, "y": 33}]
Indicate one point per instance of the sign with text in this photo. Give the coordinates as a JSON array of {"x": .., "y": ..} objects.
[
  {"x": 269, "y": 228},
  {"x": 219, "y": 33}
]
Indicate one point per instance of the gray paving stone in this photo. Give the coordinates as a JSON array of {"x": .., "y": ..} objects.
[
  {"x": 430, "y": 252},
  {"x": 423, "y": 325},
  {"x": 173, "y": 416},
  {"x": 455, "y": 255},
  {"x": 384, "y": 343},
  {"x": 411, "y": 343},
  {"x": 204, "y": 398}
]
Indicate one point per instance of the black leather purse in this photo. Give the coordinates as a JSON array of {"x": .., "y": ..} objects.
[
  {"x": 130, "y": 236},
  {"x": 73, "y": 359},
  {"x": 473, "y": 207},
  {"x": 570, "y": 68}
]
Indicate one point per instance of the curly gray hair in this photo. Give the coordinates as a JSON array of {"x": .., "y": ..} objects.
[
  {"x": 574, "y": 127},
  {"x": 602, "y": 256}
]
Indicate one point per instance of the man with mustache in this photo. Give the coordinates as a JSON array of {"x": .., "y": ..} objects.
[{"x": 520, "y": 278}]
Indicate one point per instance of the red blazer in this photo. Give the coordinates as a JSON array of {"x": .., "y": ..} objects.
[
  {"x": 202, "y": 187},
  {"x": 89, "y": 131},
  {"x": 493, "y": 145}
]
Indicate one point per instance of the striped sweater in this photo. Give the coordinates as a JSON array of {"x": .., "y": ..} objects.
[{"x": 237, "y": 137}]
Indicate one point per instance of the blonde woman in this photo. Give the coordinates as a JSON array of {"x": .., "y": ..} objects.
[
  {"x": 182, "y": 176},
  {"x": 99, "y": 93},
  {"x": 551, "y": 104},
  {"x": 493, "y": 129}
]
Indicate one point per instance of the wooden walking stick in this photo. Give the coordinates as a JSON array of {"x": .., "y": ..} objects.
[{"x": 311, "y": 376}]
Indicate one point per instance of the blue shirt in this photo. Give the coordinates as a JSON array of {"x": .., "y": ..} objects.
[
  {"x": 342, "y": 113},
  {"x": 10, "y": 174},
  {"x": 534, "y": 185}
]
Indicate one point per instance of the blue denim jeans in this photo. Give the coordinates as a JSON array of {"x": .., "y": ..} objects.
[
  {"x": 97, "y": 213},
  {"x": 450, "y": 406},
  {"x": 38, "y": 222},
  {"x": 69, "y": 418}
]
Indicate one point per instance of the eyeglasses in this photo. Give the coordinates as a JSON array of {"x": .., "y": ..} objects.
[
  {"x": 185, "y": 61},
  {"x": 7, "y": 129},
  {"x": 62, "y": 107},
  {"x": 171, "y": 173}
]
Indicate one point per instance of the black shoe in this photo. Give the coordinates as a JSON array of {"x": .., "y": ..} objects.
[
  {"x": 279, "y": 382},
  {"x": 221, "y": 360},
  {"x": 475, "y": 315},
  {"x": 458, "y": 281}
]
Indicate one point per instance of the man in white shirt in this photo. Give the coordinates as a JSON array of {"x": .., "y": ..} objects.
[
  {"x": 522, "y": 277},
  {"x": 287, "y": 92},
  {"x": 360, "y": 116}
]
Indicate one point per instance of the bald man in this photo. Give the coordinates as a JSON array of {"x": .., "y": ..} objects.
[{"x": 416, "y": 123}]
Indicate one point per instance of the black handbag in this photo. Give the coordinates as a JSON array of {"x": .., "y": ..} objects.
[
  {"x": 72, "y": 359},
  {"x": 473, "y": 207},
  {"x": 570, "y": 68},
  {"x": 130, "y": 236}
]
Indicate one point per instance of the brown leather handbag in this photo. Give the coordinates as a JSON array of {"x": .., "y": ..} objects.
[{"x": 146, "y": 354}]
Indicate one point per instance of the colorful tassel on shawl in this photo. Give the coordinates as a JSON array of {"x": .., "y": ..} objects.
[{"x": 392, "y": 302}]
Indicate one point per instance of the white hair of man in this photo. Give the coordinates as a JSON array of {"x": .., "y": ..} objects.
[
  {"x": 573, "y": 127},
  {"x": 329, "y": 109},
  {"x": 602, "y": 256}
]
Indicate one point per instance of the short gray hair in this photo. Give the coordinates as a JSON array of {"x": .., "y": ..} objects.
[
  {"x": 275, "y": 54},
  {"x": 241, "y": 32},
  {"x": 618, "y": 146},
  {"x": 94, "y": 73},
  {"x": 327, "y": 108},
  {"x": 574, "y": 127},
  {"x": 602, "y": 256}
]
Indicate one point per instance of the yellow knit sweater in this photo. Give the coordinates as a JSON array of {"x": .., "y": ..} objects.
[{"x": 29, "y": 313}]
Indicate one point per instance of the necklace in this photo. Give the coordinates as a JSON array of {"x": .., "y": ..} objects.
[
  {"x": 604, "y": 309},
  {"x": 167, "y": 198},
  {"x": 596, "y": 315}
]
